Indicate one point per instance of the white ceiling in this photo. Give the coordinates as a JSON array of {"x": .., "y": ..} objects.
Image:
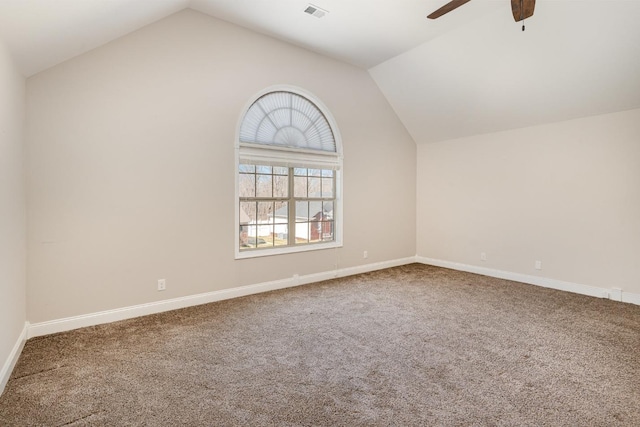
[{"x": 471, "y": 71}]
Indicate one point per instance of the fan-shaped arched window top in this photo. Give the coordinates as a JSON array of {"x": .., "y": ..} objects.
[{"x": 286, "y": 119}]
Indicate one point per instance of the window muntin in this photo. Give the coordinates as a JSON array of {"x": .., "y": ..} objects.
[{"x": 288, "y": 180}]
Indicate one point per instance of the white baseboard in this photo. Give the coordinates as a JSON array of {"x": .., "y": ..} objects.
[
  {"x": 631, "y": 298},
  {"x": 11, "y": 361},
  {"x": 536, "y": 280},
  {"x": 75, "y": 322}
]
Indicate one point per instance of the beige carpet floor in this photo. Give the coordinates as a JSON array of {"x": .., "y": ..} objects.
[{"x": 407, "y": 346}]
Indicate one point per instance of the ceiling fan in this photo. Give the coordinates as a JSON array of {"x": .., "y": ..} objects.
[{"x": 522, "y": 9}]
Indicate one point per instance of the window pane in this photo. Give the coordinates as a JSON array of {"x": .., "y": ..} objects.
[
  {"x": 281, "y": 215},
  {"x": 264, "y": 186},
  {"x": 314, "y": 187},
  {"x": 244, "y": 236},
  {"x": 247, "y": 212},
  {"x": 315, "y": 211},
  {"x": 327, "y": 187},
  {"x": 247, "y": 224},
  {"x": 264, "y": 224},
  {"x": 247, "y": 185},
  {"x": 315, "y": 231},
  {"x": 265, "y": 211},
  {"x": 313, "y": 238},
  {"x": 327, "y": 173},
  {"x": 281, "y": 186},
  {"x": 247, "y": 168},
  {"x": 300, "y": 186},
  {"x": 327, "y": 231},
  {"x": 302, "y": 232},
  {"x": 314, "y": 172},
  {"x": 302, "y": 211},
  {"x": 281, "y": 235},
  {"x": 328, "y": 210},
  {"x": 300, "y": 171}
]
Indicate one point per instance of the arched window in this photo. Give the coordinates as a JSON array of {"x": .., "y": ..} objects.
[{"x": 288, "y": 180}]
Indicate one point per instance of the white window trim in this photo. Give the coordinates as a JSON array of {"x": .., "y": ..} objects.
[{"x": 255, "y": 152}]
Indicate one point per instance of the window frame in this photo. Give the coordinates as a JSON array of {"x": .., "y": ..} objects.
[{"x": 289, "y": 157}]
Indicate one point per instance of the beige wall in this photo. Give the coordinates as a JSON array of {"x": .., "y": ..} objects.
[
  {"x": 564, "y": 193},
  {"x": 131, "y": 166},
  {"x": 12, "y": 207}
]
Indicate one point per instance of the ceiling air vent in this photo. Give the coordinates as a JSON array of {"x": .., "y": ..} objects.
[{"x": 315, "y": 11}]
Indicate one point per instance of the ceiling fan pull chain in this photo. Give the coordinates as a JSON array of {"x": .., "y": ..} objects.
[{"x": 522, "y": 13}]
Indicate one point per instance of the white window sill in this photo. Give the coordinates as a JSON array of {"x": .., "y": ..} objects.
[{"x": 254, "y": 253}]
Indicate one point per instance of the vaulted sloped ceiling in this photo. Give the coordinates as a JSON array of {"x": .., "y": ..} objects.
[
  {"x": 575, "y": 59},
  {"x": 471, "y": 71}
]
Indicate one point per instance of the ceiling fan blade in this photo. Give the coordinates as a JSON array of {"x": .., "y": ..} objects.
[
  {"x": 448, "y": 8},
  {"x": 522, "y": 9}
]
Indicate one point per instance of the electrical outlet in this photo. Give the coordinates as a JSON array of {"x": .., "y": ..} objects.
[
  {"x": 483, "y": 256},
  {"x": 365, "y": 254},
  {"x": 162, "y": 284},
  {"x": 538, "y": 265}
]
